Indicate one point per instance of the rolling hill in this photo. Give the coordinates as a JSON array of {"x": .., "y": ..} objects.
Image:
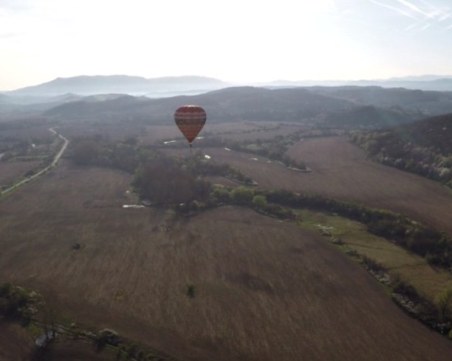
[
  {"x": 368, "y": 117},
  {"x": 237, "y": 104},
  {"x": 423, "y": 102}
]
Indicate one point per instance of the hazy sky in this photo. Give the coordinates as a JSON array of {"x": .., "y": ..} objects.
[{"x": 234, "y": 40}]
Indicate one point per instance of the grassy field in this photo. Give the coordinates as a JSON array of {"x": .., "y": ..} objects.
[
  {"x": 262, "y": 289},
  {"x": 415, "y": 270}
]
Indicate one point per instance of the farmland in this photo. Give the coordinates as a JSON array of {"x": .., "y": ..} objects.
[
  {"x": 258, "y": 283},
  {"x": 411, "y": 268},
  {"x": 11, "y": 171},
  {"x": 227, "y": 283},
  {"x": 340, "y": 170}
]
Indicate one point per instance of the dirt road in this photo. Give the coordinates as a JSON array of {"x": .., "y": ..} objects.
[{"x": 55, "y": 160}]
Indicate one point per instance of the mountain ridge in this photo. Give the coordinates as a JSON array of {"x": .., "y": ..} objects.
[{"x": 134, "y": 85}]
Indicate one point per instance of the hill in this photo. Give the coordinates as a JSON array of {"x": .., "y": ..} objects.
[
  {"x": 423, "y": 147},
  {"x": 3, "y": 99},
  {"x": 89, "y": 85},
  {"x": 237, "y": 104},
  {"x": 231, "y": 104},
  {"x": 423, "y": 102},
  {"x": 369, "y": 117},
  {"x": 435, "y": 133},
  {"x": 435, "y": 84}
]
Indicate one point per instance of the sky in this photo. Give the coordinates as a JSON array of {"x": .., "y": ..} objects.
[{"x": 240, "y": 41}]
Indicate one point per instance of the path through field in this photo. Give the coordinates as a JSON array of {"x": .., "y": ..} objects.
[{"x": 55, "y": 160}]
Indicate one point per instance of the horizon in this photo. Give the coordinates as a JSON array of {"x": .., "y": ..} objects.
[
  {"x": 408, "y": 78},
  {"x": 291, "y": 41}
]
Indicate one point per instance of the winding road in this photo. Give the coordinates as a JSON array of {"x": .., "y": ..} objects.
[{"x": 55, "y": 160}]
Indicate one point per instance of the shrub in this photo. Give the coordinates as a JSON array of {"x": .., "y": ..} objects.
[
  {"x": 259, "y": 201},
  {"x": 191, "y": 291},
  {"x": 242, "y": 195}
]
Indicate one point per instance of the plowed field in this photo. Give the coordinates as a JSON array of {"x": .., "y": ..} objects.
[{"x": 263, "y": 289}]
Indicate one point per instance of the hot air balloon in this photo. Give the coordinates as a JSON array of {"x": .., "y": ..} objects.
[{"x": 190, "y": 119}]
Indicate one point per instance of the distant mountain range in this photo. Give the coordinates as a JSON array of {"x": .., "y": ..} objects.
[
  {"x": 339, "y": 106},
  {"x": 191, "y": 85},
  {"x": 121, "y": 84},
  {"x": 427, "y": 82},
  {"x": 343, "y": 107},
  {"x": 230, "y": 104}
]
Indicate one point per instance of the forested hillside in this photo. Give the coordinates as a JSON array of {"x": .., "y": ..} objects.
[{"x": 424, "y": 147}]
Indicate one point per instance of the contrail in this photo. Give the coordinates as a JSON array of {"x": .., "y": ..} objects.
[
  {"x": 394, "y": 9},
  {"x": 433, "y": 12},
  {"x": 414, "y": 8}
]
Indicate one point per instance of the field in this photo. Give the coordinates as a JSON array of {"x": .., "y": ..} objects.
[
  {"x": 343, "y": 171},
  {"x": 15, "y": 343},
  {"x": 340, "y": 170},
  {"x": 263, "y": 289},
  {"x": 11, "y": 171},
  {"x": 415, "y": 270}
]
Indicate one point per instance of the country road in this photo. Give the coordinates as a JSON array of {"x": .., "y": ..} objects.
[{"x": 55, "y": 160}]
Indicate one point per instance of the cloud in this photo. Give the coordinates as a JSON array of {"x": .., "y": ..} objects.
[
  {"x": 15, "y": 5},
  {"x": 9, "y": 35}
]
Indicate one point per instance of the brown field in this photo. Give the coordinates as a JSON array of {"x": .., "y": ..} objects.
[
  {"x": 264, "y": 289},
  {"x": 237, "y": 131},
  {"x": 11, "y": 171},
  {"x": 110, "y": 131},
  {"x": 16, "y": 344},
  {"x": 261, "y": 130},
  {"x": 340, "y": 170},
  {"x": 343, "y": 170}
]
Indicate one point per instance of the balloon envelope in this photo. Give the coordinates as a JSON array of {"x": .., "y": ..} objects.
[{"x": 190, "y": 119}]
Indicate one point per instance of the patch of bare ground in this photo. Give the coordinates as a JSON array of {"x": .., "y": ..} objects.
[{"x": 262, "y": 289}]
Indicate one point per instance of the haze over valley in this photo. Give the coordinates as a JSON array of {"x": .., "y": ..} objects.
[{"x": 291, "y": 200}]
